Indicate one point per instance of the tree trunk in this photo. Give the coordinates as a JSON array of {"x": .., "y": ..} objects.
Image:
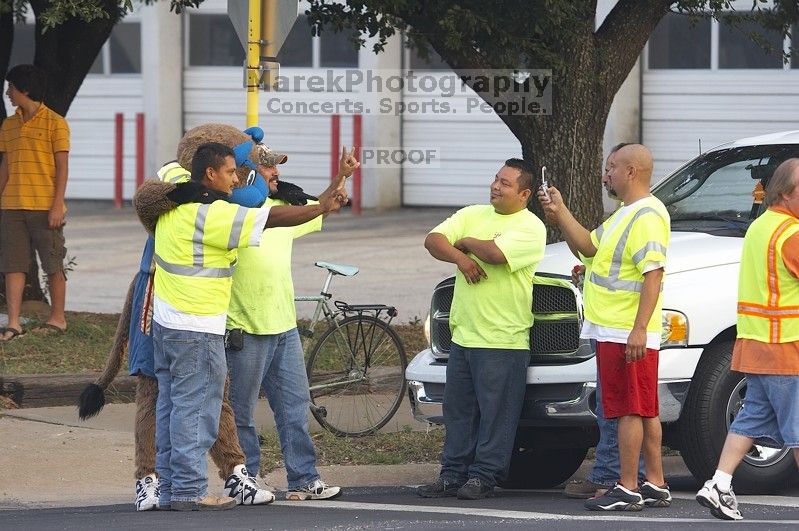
[
  {"x": 66, "y": 52},
  {"x": 6, "y": 38},
  {"x": 569, "y": 140}
]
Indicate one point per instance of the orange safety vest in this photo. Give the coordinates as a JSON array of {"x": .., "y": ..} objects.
[{"x": 768, "y": 294}]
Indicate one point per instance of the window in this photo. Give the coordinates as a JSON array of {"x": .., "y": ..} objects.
[
  {"x": 22, "y": 46},
  {"x": 121, "y": 54},
  {"x": 125, "y": 48},
  {"x": 297, "y": 50},
  {"x": 432, "y": 62},
  {"x": 679, "y": 42},
  {"x": 795, "y": 46},
  {"x": 738, "y": 50},
  {"x": 213, "y": 42},
  {"x": 337, "y": 49},
  {"x": 714, "y": 192}
]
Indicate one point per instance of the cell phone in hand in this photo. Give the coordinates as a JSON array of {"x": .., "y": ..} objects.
[{"x": 544, "y": 184}]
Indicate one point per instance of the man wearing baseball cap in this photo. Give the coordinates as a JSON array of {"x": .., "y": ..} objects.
[{"x": 264, "y": 350}]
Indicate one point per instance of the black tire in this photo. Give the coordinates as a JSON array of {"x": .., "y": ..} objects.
[
  {"x": 364, "y": 406},
  {"x": 713, "y": 401},
  {"x": 542, "y": 468}
]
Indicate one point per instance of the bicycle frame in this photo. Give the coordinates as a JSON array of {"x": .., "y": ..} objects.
[{"x": 323, "y": 309}]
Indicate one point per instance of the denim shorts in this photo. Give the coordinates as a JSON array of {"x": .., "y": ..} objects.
[{"x": 770, "y": 413}]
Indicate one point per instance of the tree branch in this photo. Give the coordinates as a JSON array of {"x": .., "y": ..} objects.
[{"x": 623, "y": 35}]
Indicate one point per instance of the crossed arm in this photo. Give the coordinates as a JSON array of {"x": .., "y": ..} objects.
[{"x": 486, "y": 250}]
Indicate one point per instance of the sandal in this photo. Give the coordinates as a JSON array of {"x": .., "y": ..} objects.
[
  {"x": 47, "y": 329},
  {"x": 15, "y": 333}
]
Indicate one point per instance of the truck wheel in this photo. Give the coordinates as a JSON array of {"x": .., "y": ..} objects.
[
  {"x": 542, "y": 468},
  {"x": 714, "y": 400}
]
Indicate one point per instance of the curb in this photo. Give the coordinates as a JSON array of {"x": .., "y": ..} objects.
[{"x": 47, "y": 390}]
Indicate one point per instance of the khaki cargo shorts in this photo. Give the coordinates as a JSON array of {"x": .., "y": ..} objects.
[{"x": 19, "y": 230}]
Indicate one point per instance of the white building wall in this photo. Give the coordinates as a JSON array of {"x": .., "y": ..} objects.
[{"x": 682, "y": 107}]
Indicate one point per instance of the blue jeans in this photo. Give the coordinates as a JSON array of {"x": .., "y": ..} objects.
[
  {"x": 607, "y": 467},
  {"x": 190, "y": 368},
  {"x": 274, "y": 363},
  {"x": 482, "y": 403}
]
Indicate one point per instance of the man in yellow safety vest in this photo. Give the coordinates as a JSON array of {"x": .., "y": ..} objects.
[
  {"x": 623, "y": 299},
  {"x": 195, "y": 251},
  {"x": 767, "y": 347}
]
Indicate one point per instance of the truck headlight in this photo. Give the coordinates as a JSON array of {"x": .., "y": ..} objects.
[
  {"x": 675, "y": 329},
  {"x": 427, "y": 328}
]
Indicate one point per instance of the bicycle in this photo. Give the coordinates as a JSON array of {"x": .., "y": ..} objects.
[{"x": 356, "y": 370}]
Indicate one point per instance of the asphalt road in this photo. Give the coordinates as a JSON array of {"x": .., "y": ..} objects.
[{"x": 401, "y": 508}]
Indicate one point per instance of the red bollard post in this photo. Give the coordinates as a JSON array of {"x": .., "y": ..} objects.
[
  {"x": 119, "y": 129},
  {"x": 357, "y": 131},
  {"x": 139, "y": 149},
  {"x": 335, "y": 145}
]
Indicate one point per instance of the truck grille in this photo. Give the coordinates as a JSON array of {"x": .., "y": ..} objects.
[{"x": 555, "y": 335}]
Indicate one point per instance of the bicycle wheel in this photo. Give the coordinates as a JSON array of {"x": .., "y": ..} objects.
[{"x": 356, "y": 374}]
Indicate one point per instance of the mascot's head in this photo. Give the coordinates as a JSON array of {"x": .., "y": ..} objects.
[{"x": 246, "y": 145}]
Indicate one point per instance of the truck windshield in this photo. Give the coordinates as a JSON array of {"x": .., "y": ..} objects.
[{"x": 720, "y": 192}]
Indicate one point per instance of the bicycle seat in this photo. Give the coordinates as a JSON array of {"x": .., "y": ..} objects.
[{"x": 338, "y": 269}]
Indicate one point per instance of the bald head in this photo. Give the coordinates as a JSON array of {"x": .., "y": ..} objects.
[{"x": 638, "y": 157}]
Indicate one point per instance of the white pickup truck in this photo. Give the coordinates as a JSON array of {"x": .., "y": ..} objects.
[{"x": 712, "y": 199}]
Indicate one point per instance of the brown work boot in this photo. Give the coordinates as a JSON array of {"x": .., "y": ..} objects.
[
  {"x": 208, "y": 503},
  {"x": 584, "y": 489}
]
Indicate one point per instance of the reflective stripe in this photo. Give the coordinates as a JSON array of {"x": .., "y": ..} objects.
[
  {"x": 173, "y": 173},
  {"x": 650, "y": 246},
  {"x": 197, "y": 238},
  {"x": 616, "y": 284},
  {"x": 258, "y": 227},
  {"x": 599, "y": 231},
  {"x": 236, "y": 228},
  {"x": 612, "y": 281},
  {"x": 177, "y": 178},
  {"x": 190, "y": 271},
  {"x": 773, "y": 280},
  {"x": 760, "y": 311}
]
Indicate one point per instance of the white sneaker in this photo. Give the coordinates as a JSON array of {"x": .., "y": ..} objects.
[
  {"x": 244, "y": 489},
  {"x": 147, "y": 493},
  {"x": 318, "y": 490},
  {"x": 722, "y": 505}
]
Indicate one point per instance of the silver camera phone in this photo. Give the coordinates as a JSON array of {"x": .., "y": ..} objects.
[{"x": 544, "y": 183}]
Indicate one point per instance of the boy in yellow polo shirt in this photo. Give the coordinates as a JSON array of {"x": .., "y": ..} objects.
[{"x": 34, "y": 143}]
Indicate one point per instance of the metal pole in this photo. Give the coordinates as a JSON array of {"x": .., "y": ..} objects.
[
  {"x": 356, "y": 147},
  {"x": 119, "y": 130},
  {"x": 253, "y": 60},
  {"x": 139, "y": 149},
  {"x": 335, "y": 144}
]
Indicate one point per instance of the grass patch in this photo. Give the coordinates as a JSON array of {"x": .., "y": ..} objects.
[
  {"x": 82, "y": 348},
  {"x": 85, "y": 345},
  {"x": 397, "y": 448}
]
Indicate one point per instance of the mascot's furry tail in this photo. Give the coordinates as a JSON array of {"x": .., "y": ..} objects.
[{"x": 92, "y": 399}]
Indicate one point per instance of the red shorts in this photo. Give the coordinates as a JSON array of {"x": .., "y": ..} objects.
[{"x": 627, "y": 388}]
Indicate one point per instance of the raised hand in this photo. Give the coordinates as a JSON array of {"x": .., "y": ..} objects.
[
  {"x": 335, "y": 196},
  {"x": 347, "y": 164},
  {"x": 551, "y": 202}
]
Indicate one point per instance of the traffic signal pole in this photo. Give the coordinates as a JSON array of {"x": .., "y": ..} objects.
[{"x": 253, "y": 60}]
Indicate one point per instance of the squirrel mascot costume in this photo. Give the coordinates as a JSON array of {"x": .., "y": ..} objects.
[{"x": 133, "y": 333}]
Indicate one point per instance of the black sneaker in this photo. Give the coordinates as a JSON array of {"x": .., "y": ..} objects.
[
  {"x": 442, "y": 488},
  {"x": 616, "y": 499},
  {"x": 474, "y": 489},
  {"x": 655, "y": 496}
]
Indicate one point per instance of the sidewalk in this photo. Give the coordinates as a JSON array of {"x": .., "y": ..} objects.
[{"x": 51, "y": 459}]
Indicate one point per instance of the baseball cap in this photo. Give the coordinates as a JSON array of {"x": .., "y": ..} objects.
[{"x": 268, "y": 157}]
